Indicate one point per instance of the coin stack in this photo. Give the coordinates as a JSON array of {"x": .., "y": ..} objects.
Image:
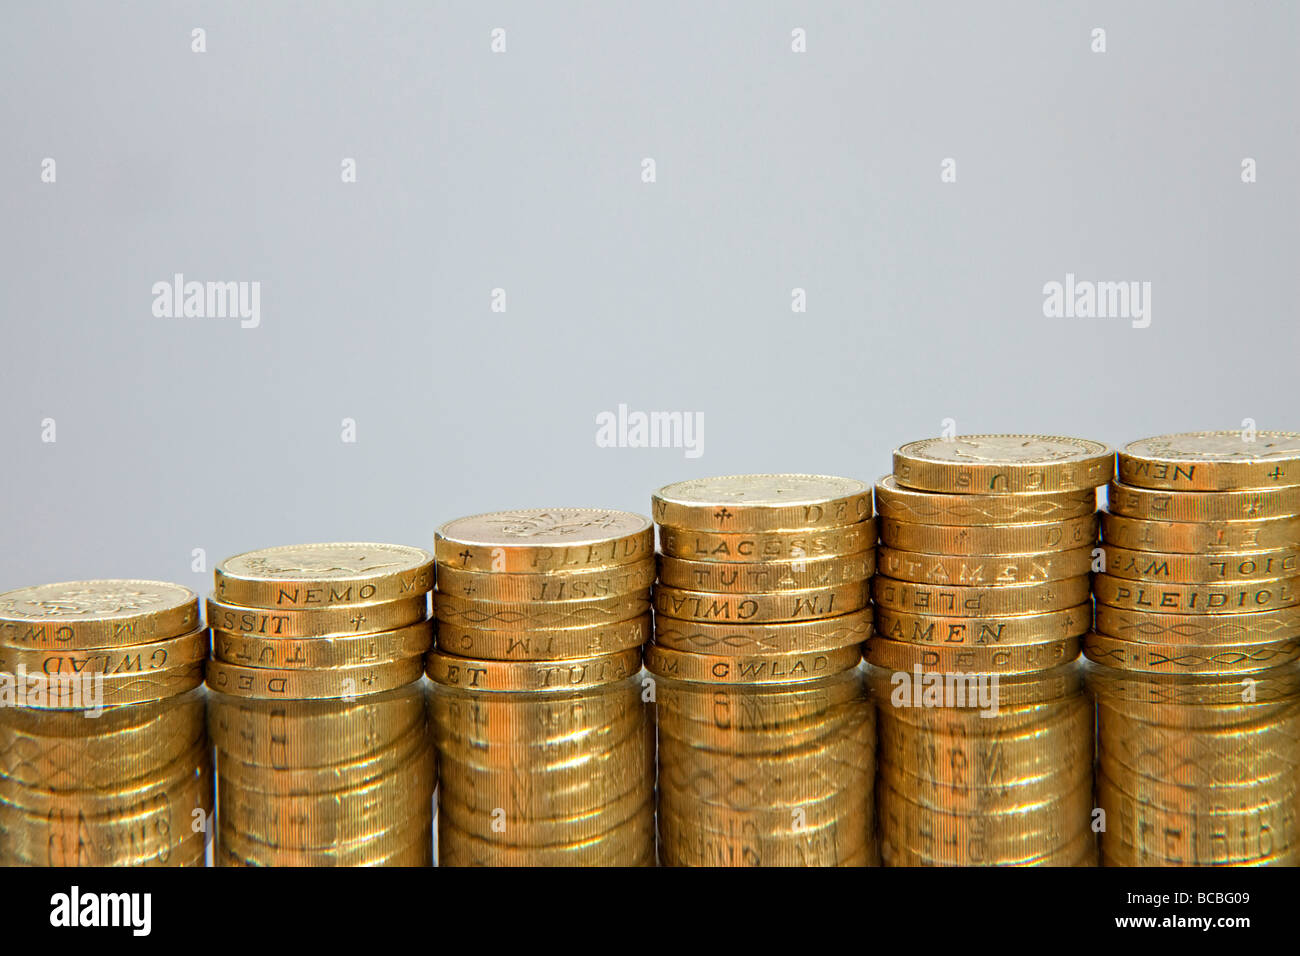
[
  {"x": 322, "y": 749},
  {"x": 1202, "y": 555},
  {"x": 767, "y": 774},
  {"x": 1198, "y": 632},
  {"x": 103, "y": 748},
  {"x": 542, "y": 737},
  {"x": 762, "y": 578},
  {"x": 986, "y": 546},
  {"x": 1198, "y": 769},
  {"x": 980, "y": 601},
  {"x": 999, "y": 775}
]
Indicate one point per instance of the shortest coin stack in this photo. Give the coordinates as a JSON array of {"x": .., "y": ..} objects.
[
  {"x": 1202, "y": 555},
  {"x": 120, "y": 642},
  {"x": 762, "y": 578},
  {"x": 121, "y": 788},
  {"x": 313, "y": 621}
]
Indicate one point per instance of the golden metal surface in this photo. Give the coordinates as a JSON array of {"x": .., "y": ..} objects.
[
  {"x": 754, "y": 503},
  {"x": 77, "y": 615},
  {"x": 1003, "y": 464},
  {"x": 531, "y": 540},
  {"x": 320, "y": 575},
  {"x": 1212, "y": 461}
]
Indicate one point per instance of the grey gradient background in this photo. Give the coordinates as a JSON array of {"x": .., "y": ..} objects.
[{"x": 522, "y": 170}]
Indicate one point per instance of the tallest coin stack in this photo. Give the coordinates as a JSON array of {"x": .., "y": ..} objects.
[
  {"x": 983, "y": 591},
  {"x": 1198, "y": 632}
]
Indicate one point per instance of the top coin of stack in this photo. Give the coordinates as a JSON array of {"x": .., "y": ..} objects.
[
  {"x": 762, "y": 578},
  {"x": 1202, "y": 555},
  {"x": 314, "y": 621},
  {"x": 986, "y": 546},
  {"x": 541, "y": 598},
  {"x": 137, "y": 640}
]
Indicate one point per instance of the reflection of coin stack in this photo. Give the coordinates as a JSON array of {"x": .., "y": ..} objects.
[
  {"x": 766, "y": 775},
  {"x": 103, "y": 755},
  {"x": 323, "y": 755},
  {"x": 119, "y": 790},
  {"x": 1004, "y": 780},
  {"x": 762, "y": 578},
  {"x": 551, "y": 778},
  {"x": 326, "y": 782},
  {"x": 986, "y": 545},
  {"x": 1202, "y": 549},
  {"x": 542, "y": 735},
  {"x": 1198, "y": 770}
]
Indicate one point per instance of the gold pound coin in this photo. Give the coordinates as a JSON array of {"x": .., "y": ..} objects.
[
  {"x": 572, "y": 674},
  {"x": 79, "y": 615},
  {"x": 728, "y": 640},
  {"x": 984, "y": 570},
  {"x": 532, "y": 540},
  {"x": 760, "y": 608},
  {"x": 1266, "y": 594},
  {"x": 1007, "y": 539},
  {"x": 765, "y": 576},
  {"x": 1185, "y": 537},
  {"x": 1020, "y": 659},
  {"x": 1212, "y": 461},
  {"x": 109, "y": 661},
  {"x": 584, "y": 585},
  {"x": 1009, "y": 630},
  {"x": 1003, "y": 464},
  {"x": 956, "y": 601},
  {"x": 323, "y": 575},
  {"x": 1220, "y": 567},
  {"x": 544, "y": 645},
  {"x": 96, "y": 691},
  {"x": 932, "y": 507},
  {"x": 759, "y": 669},
  {"x": 768, "y": 545},
  {"x": 1144, "y": 627},
  {"x": 1190, "y": 658},
  {"x": 296, "y": 653},
  {"x": 269, "y": 683},
  {"x": 757, "y": 503},
  {"x": 530, "y": 615},
  {"x": 1151, "y": 504},
  {"x": 339, "y": 620}
]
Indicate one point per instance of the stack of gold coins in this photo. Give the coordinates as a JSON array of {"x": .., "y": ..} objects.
[
  {"x": 544, "y": 584},
  {"x": 1202, "y": 555},
  {"x": 989, "y": 770},
  {"x": 103, "y": 750},
  {"x": 766, "y": 774},
  {"x": 322, "y": 749},
  {"x": 986, "y": 546},
  {"x": 559, "y": 777},
  {"x": 762, "y": 578},
  {"x": 1200, "y": 769},
  {"x": 542, "y": 737}
]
